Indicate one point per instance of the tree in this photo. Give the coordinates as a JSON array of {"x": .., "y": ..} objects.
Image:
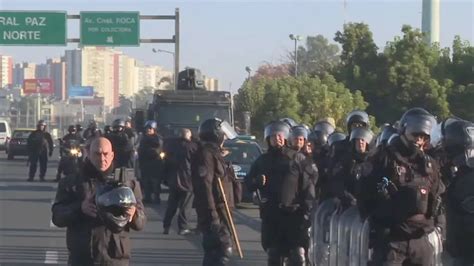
[
  {"x": 460, "y": 100},
  {"x": 317, "y": 58},
  {"x": 305, "y": 99},
  {"x": 143, "y": 97}
]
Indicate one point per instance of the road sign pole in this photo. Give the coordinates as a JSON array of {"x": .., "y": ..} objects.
[{"x": 176, "y": 48}]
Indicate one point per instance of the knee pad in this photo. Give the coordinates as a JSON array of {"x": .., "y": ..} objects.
[{"x": 298, "y": 256}]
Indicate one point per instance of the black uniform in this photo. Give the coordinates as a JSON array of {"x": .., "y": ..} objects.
[
  {"x": 287, "y": 199},
  {"x": 88, "y": 239},
  {"x": 151, "y": 165},
  {"x": 122, "y": 147},
  {"x": 91, "y": 133},
  {"x": 207, "y": 166},
  {"x": 400, "y": 195},
  {"x": 180, "y": 183},
  {"x": 39, "y": 145}
]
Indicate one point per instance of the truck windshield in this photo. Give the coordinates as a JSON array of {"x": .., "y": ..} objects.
[{"x": 190, "y": 115}]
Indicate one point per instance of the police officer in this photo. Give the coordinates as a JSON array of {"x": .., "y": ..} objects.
[
  {"x": 286, "y": 191},
  {"x": 401, "y": 192},
  {"x": 128, "y": 129},
  {"x": 299, "y": 138},
  {"x": 107, "y": 130},
  {"x": 458, "y": 143},
  {"x": 91, "y": 131},
  {"x": 39, "y": 145},
  {"x": 121, "y": 144},
  {"x": 67, "y": 140},
  {"x": 207, "y": 167},
  {"x": 345, "y": 175},
  {"x": 79, "y": 132},
  {"x": 320, "y": 153},
  {"x": 355, "y": 119},
  {"x": 180, "y": 183},
  {"x": 151, "y": 165}
]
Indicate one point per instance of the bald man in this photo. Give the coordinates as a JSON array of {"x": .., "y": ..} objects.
[{"x": 89, "y": 240}]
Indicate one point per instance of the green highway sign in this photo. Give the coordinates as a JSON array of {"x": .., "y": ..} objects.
[
  {"x": 110, "y": 28},
  {"x": 33, "y": 28}
]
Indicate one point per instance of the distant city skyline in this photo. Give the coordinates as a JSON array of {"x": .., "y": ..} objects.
[{"x": 223, "y": 37}]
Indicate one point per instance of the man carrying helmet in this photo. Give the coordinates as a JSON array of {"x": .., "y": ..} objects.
[
  {"x": 401, "y": 192},
  {"x": 284, "y": 182},
  {"x": 151, "y": 165},
  {"x": 39, "y": 145},
  {"x": 98, "y": 209},
  {"x": 207, "y": 167}
]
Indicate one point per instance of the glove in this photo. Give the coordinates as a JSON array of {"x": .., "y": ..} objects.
[{"x": 261, "y": 181}]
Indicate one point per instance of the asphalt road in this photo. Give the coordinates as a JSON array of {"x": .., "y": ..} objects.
[{"x": 27, "y": 236}]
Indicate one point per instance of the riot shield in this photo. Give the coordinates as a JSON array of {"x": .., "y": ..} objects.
[
  {"x": 345, "y": 229},
  {"x": 321, "y": 232},
  {"x": 436, "y": 242},
  {"x": 359, "y": 241}
]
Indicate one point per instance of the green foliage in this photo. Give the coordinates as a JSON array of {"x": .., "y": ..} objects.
[
  {"x": 318, "y": 57},
  {"x": 461, "y": 101},
  {"x": 304, "y": 99}
]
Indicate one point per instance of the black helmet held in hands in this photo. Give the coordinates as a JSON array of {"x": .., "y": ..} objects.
[{"x": 112, "y": 201}]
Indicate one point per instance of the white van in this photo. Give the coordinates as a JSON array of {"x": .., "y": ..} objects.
[{"x": 5, "y": 134}]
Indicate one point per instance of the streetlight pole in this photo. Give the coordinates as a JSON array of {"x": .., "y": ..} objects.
[
  {"x": 296, "y": 38},
  {"x": 249, "y": 70},
  {"x": 175, "y": 74}
]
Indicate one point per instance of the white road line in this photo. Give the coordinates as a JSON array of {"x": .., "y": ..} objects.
[
  {"x": 51, "y": 257},
  {"x": 3, "y": 184}
]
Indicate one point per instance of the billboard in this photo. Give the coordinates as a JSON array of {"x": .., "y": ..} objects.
[
  {"x": 81, "y": 92},
  {"x": 43, "y": 86}
]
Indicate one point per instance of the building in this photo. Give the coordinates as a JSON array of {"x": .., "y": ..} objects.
[
  {"x": 6, "y": 71},
  {"x": 128, "y": 79},
  {"x": 100, "y": 70},
  {"x": 23, "y": 71},
  {"x": 73, "y": 60},
  {"x": 54, "y": 69}
]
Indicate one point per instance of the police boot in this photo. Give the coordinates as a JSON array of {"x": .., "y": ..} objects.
[
  {"x": 297, "y": 257},
  {"x": 274, "y": 257}
]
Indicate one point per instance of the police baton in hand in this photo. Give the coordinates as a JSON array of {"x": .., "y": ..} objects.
[{"x": 230, "y": 220}]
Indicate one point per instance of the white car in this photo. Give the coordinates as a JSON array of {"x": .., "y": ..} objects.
[{"x": 5, "y": 134}]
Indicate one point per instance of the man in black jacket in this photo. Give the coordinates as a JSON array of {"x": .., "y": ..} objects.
[
  {"x": 207, "y": 168},
  {"x": 151, "y": 165},
  {"x": 180, "y": 183},
  {"x": 89, "y": 240},
  {"x": 121, "y": 144},
  {"x": 39, "y": 145},
  {"x": 285, "y": 181}
]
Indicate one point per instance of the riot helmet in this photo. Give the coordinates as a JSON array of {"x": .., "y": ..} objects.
[
  {"x": 79, "y": 128},
  {"x": 458, "y": 141},
  {"x": 92, "y": 125},
  {"x": 216, "y": 130},
  {"x": 414, "y": 123},
  {"x": 151, "y": 124},
  {"x": 289, "y": 121},
  {"x": 361, "y": 133},
  {"x": 118, "y": 124},
  {"x": 324, "y": 127},
  {"x": 112, "y": 201},
  {"x": 385, "y": 134},
  {"x": 107, "y": 129},
  {"x": 318, "y": 138},
  {"x": 299, "y": 131},
  {"x": 71, "y": 129},
  {"x": 357, "y": 118},
  {"x": 276, "y": 127},
  {"x": 335, "y": 137}
]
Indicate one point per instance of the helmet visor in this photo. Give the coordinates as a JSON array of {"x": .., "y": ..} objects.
[{"x": 228, "y": 130}]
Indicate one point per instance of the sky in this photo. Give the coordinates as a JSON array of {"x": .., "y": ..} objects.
[{"x": 223, "y": 37}]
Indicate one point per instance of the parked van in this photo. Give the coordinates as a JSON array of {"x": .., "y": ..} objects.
[{"x": 5, "y": 134}]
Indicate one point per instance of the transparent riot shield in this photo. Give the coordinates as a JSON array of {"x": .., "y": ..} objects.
[
  {"x": 359, "y": 241},
  {"x": 345, "y": 228},
  {"x": 321, "y": 232},
  {"x": 436, "y": 242}
]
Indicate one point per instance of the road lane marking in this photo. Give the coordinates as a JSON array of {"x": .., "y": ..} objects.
[{"x": 51, "y": 257}]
